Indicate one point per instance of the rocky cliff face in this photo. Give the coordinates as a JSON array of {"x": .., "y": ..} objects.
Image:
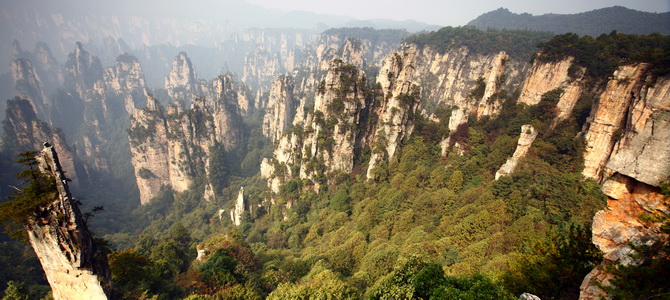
[
  {"x": 526, "y": 139},
  {"x": 73, "y": 265},
  {"x": 182, "y": 82},
  {"x": 82, "y": 70},
  {"x": 396, "y": 113},
  {"x": 628, "y": 146},
  {"x": 324, "y": 141},
  {"x": 614, "y": 110},
  {"x": 28, "y": 85},
  {"x": 23, "y": 131},
  {"x": 547, "y": 76},
  {"x": 171, "y": 147},
  {"x": 236, "y": 212},
  {"x": 280, "y": 109},
  {"x": 470, "y": 83}
]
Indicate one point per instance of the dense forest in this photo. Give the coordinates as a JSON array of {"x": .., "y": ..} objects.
[{"x": 427, "y": 226}]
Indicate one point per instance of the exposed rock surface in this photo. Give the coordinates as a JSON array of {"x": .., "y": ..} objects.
[
  {"x": 23, "y": 131},
  {"x": 526, "y": 139},
  {"x": 397, "y": 112},
  {"x": 635, "y": 164},
  {"x": 82, "y": 70},
  {"x": 613, "y": 113},
  {"x": 73, "y": 265},
  {"x": 327, "y": 137},
  {"x": 182, "y": 82},
  {"x": 280, "y": 108},
  {"x": 171, "y": 147},
  {"x": 28, "y": 85},
  {"x": 528, "y": 296},
  {"x": 548, "y": 76},
  {"x": 236, "y": 212}
]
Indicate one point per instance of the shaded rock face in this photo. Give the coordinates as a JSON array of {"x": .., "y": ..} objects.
[
  {"x": 28, "y": 85},
  {"x": 73, "y": 265},
  {"x": 45, "y": 65},
  {"x": 628, "y": 136},
  {"x": 23, "y": 130},
  {"x": 526, "y": 139},
  {"x": 171, "y": 147},
  {"x": 82, "y": 70}
]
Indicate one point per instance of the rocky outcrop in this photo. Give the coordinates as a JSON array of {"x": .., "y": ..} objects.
[
  {"x": 82, "y": 70},
  {"x": 182, "y": 83},
  {"x": 171, "y": 147},
  {"x": 124, "y": 80},
  {"x": 326, "y": 139},
  {"x": 23, "y": 131},
  {"x": 526, "y": 139},
  {"x": 280, "y": 109},
  {"x": 236, "y": 212},
  {"x": 396, "y": 113},
  {"x": 631, "y": 128},
  {"x": 149, "y": 152},
  {"x": 470, "y": 83},
  {"x": 74, "y": 266},
  {"x": 28, "y": 85},
  {"x": 612, "y": 113}
]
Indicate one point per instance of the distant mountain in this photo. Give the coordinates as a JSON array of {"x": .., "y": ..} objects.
[{"x": 593, "y": 23}]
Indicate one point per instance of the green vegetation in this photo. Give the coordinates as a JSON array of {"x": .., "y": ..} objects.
[
  {"x": 602, "y": 55},
  {"x": 368, "y": 33},
  {"x": 519, "y": 44},
  {"x": 39, "y": 191}
]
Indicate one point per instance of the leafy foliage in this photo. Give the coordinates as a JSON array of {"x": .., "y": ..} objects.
[
  {"x": 519, "y": 44},
  {"x": 553, "y": 268},
  {"x": 602, "y": 55},
  {"x": 40, "y": 190}
]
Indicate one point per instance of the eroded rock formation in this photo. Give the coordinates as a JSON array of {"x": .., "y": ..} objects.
[
  {"x": 172, "y": 146},
  {"x": 23, "y": 130},
  {"x": 526, "y": 139},
  {"x": 74, "y": 266},
  {"x": 629, "y": 147}
]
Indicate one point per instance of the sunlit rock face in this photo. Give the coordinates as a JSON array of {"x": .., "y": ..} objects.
[
  {"x": 526, "y": 139},
  {"x": 628, "y": 148},
  {"x": 325, "y": 137},
  {"x": 74, "y": 266}
]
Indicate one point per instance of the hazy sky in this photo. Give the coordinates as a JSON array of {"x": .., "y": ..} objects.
[{"x": 452, "y": 12}]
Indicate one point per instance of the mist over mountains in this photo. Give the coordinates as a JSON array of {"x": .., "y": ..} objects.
[{"x": 241, "y": 152}]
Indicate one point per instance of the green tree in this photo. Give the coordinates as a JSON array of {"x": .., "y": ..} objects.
[
  {"x": 554, "y": 268},
  {"x": 16, "y": 291},
  {"x": 40, "y": 190}
]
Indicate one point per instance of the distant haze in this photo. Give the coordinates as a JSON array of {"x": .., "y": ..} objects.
[{"x": 450, "y": 12}]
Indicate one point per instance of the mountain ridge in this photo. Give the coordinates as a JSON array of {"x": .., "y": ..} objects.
[{"x": 594, "y": 22}]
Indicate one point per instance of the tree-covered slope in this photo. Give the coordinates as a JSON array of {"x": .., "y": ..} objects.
[{"x": 592, "y": 23}]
